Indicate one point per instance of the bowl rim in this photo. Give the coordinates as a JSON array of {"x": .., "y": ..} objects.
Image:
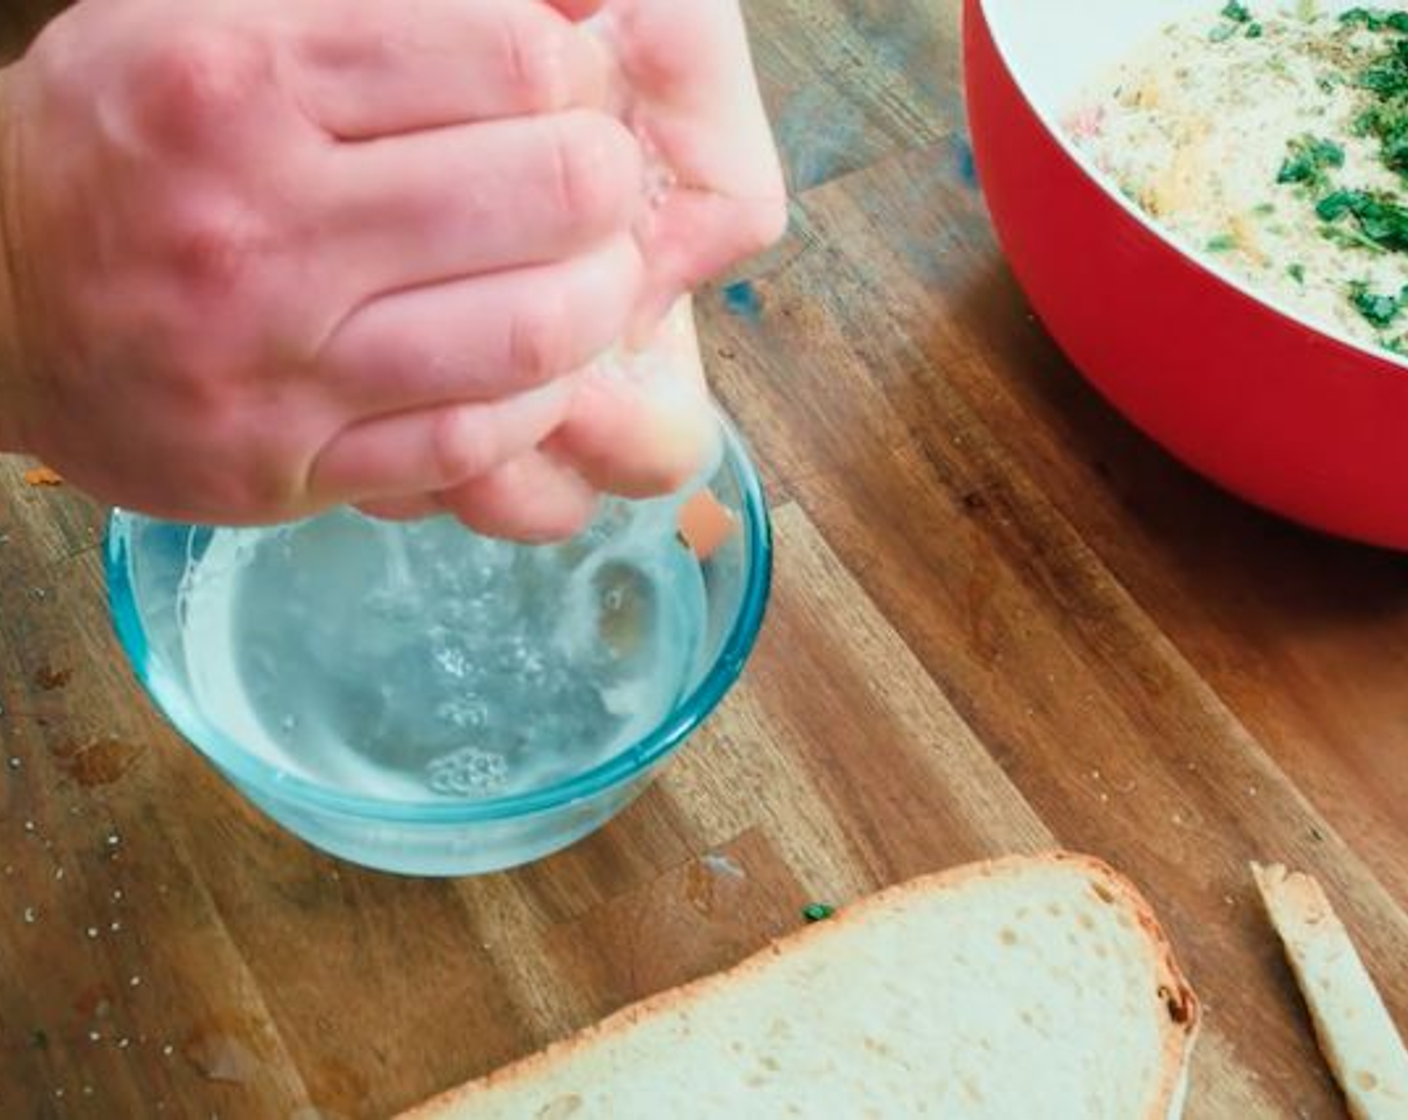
[
  {"x": 256, "y": 777},
  {"x": 1049, "y": 119}
]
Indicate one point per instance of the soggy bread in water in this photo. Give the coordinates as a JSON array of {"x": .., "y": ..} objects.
[{"x": 993, "y": 990}]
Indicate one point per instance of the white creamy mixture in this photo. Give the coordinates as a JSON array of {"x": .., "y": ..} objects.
[{"x": 1238, "y": 128}]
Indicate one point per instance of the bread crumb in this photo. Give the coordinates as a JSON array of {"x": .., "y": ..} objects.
[
  {"x": 706, "y": 524},
  {"x": 43, "y": 476}
]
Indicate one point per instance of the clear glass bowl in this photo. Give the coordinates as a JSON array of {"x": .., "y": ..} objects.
[{"x": 146, "y": 562}]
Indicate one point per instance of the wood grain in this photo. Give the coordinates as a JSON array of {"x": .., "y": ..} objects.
[{"x": 1002, "y": 621}]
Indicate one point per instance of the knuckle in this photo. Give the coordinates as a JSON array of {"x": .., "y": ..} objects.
[
  {"x": 212, "y": 247},
  {"x": 539, "y": 346},
  {"x": 193, "y": 84},
  {"x": 535, "y": 61},
  {"x": 596, "y": 172},
  {"x": 462, "y": 448}
]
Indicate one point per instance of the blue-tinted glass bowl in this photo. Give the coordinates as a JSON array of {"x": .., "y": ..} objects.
[{"x": 145, "y": 560}]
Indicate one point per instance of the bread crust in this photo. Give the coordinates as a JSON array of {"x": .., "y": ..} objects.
[
  {"x": 1352, "y": 1025},
  {"x": 1181, "y": 1006}
]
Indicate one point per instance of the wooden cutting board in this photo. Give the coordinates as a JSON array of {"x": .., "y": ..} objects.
[{"x": 1002, "y": 621}]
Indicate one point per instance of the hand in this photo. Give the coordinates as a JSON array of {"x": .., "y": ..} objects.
[
  {"x": 715, "y": 195},
  {"x": 687, "y": 89},
  {"x": 266, "y": 257}
]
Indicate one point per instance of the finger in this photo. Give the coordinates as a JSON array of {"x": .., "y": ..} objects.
[
  {"x": 485, "y": 337},
  {"x": 403, "y": 509},
  {"x": 382, "y": 67},
  {"x": 698, "y": 106},
  {"x": 694, "y": 236},
  {"x": 435, "y": 448},
  {"x": 697, "y": 90},
  {"x": 646, "y": 426},
  {"x": 416, "y": 210},
  {"x": 533, "y": 498}
]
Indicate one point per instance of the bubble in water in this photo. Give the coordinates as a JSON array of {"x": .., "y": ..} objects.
[
  {"x": 463, "y": 713},
  {"x": 452, "y": 660},
  {"x": 468, "y": 772},
  {"x": 513, "y": 668},
  {"x": 531, "y": 662}
]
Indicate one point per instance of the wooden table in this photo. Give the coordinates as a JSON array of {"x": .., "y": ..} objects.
[{"x": 1003, "y": 621}]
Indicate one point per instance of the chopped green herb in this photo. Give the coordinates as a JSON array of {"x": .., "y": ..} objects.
[
  {"x": 1237, "y": 17},
  {"x": 818, "y": 912},
  {"x": 1264, "y": 209},
  {"x": 1335, "y": 206},
  {"x": 1377, "y": 217},
  {"x": 1386, "y": 79},
  {"x": 1222, "y": 243},
  {"x": 1375, "y": 19},
  {"x": 1346, "y": 237},
  {"x": 1387, "y": 75},
  {"x": 1379, "y": 310},
  {"x": 1296, "y": 272},
  {"x": 1307, "y": 160}
]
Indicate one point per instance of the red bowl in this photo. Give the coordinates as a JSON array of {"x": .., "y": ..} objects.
[{"x": 1290, "y": 416}]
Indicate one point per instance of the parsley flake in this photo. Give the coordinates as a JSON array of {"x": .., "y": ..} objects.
[
  {"x": 1307, "y": 160},
  {"x": 1378, "y": 310}
]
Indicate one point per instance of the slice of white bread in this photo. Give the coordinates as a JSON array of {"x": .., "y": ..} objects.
[
  {"x": 1025, "y": 987},
  {"x": 1353, "y": 1026}
]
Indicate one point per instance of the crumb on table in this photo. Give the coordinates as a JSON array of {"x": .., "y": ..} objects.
[{"x": 42, "y": 476}]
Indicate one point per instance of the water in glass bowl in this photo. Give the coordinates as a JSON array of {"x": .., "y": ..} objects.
[{"x": 415, "y": 661}]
